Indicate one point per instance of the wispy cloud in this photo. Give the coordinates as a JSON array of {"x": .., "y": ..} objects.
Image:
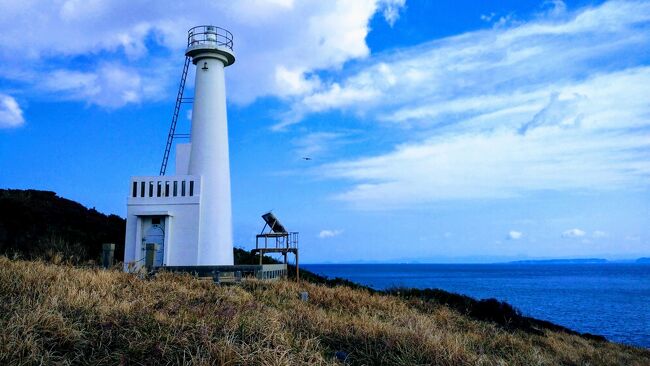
[
  {"x": 515, "y": 235},
  {"x": 573, "y": 233},
  {"x": 11, "y": 115},
  {"x": 319, "y": 144},
  {"x": 551, "y": 104},
  {"x": 324, "y": 234},
  {"x": 110, "y": 85},
  {"x": 392, "y": 9},
  {"x": 494, "y": 63}
]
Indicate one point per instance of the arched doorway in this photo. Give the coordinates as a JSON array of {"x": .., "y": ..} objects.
[{"x": 156, "y": 235}]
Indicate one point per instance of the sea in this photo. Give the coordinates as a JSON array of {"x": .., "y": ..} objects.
[{"x": 609, "y": 299}]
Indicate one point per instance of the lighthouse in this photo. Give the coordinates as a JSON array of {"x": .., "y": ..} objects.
[
  {"x": 186, "y": 219},
  {"x": 209, "y": 156}
]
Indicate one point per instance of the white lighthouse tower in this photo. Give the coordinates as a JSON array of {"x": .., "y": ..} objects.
[
  {"x": 187, "y": 217},
  {"x": 209, "y": 151}
]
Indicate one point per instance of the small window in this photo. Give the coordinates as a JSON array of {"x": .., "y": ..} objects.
[
  {"x": 167, "y": 189},
  {"x": 158, "y": 189},
  {"x": 175, "y": 189},
  {"x": 150, "y": 189},
  {"x": 183, "y": 188},
  {"x": 135, "y": 189},
  {"x": 191, "y": 188},
  {"x": 142, "y": 185},
  {"x": 155, "y": 220}
]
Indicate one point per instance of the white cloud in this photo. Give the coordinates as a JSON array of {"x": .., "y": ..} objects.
[
  {"x": 546, "y": 105},
  {"x": 497, "y": 164},
  {"x": 334, "y": 97},
  {"x": 515, "y": 235},
  {"x": 555, "y": 7},
  {"x": 278, "y": 44},
  {"x": 11, "y": 115},
  {"x": 488, "y": 17},
  {"x": 324, "y": 234},
  {"x": 490, "y": 63},
  {"x": 573, "y": 233},
  {"x": 111, "y": 85},
  {"x": 556, "y": 113},
  {"x": 392, "y": 9},
  {"x": 294, "y": 82}
]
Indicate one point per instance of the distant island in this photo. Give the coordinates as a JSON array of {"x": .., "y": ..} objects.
[
  {"x": 579, "y": 261},
  {"x": 562, "y": 261}
]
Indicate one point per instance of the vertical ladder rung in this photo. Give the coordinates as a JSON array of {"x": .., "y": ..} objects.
[{"x": 177, "y": 108}]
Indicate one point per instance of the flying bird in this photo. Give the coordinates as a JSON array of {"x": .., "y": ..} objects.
[{"x": 307, "y": 158}]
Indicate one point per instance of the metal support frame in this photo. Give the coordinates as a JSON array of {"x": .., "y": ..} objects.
[
  {"x": 282, "y": 242},
  {"x": 177, "y": 108}
]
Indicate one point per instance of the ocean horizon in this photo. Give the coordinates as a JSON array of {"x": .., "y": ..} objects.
[{"x": 611, "y": 299}]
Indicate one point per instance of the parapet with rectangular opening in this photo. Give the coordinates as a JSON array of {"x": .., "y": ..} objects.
[{"x": 165, "y": 189}]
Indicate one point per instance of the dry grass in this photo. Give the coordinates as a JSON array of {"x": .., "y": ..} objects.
[{"x": 57, "y": 314}]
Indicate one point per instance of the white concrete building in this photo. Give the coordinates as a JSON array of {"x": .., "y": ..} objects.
[{"x": 188, "y": 215}]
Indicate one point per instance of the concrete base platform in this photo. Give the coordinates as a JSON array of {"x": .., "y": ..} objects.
[{"x": 236, "y": 273}]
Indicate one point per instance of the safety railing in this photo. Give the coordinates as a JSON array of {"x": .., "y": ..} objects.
[{"x": 209, "y": 35}]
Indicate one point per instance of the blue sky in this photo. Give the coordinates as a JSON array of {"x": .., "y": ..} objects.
[{"x": 438, "y": 131}]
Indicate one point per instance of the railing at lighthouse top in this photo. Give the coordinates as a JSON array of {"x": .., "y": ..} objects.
[{"x": 209, "y": 35}]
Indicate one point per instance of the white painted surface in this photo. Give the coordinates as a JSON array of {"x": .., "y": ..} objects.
[
  {"x": 179, "y": 218},
  {"x": 197, "y": 225},
  {"x": 209, "y": 158},
  {"x": 183, "y": 158},
  {"x": 177, "y": 189}
]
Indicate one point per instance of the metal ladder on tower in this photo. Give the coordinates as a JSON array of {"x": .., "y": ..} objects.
[{"x": 177, "y": 108}]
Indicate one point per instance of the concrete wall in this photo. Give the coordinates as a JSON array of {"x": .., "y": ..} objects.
[
  {"x": 183, "y": 158},
  {"x": 209, "y": 158},
  {"x": 179, "y": 216}
]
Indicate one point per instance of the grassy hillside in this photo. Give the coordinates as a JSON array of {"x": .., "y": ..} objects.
[
  {"x": 39, "y": 224},
  {"x": 58, "y": 313},
  {"x": 63, "y": 314}
]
